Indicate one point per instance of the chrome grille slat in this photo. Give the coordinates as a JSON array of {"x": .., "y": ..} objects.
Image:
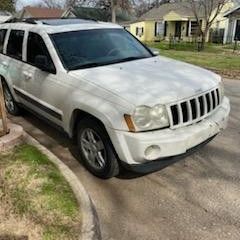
[
  {"x": 197, "y": 107},
  {"x": 211, "y": 101},
  {"x": 205, "y": 104},
  {"x": 180, "y": 114},
  {"x": 189, "y": 111},
  {"x": 218, "y": 96},
  {"x": 192, "y": 110}
]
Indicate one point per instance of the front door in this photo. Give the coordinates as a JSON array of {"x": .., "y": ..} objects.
[
  {"x": 41, "y": 92},
  {"x": 178, "y": 28},
  {"x": 237, "y": 32}
]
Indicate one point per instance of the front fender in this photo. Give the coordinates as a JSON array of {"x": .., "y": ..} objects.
[{"x": 110, "y": 114}]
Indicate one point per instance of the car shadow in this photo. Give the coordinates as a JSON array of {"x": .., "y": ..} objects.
[{"x": 56, "y": 137}]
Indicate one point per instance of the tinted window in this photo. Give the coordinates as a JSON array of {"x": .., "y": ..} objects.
[
  {"x": 15, "y": 44},
  {"x": 36, "y": 47},
  {"x": 91, "y": 48},
  {"x": 2, "y": 37}
]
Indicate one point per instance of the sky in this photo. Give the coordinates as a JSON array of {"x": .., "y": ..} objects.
[{"x": 21, "y": 3}]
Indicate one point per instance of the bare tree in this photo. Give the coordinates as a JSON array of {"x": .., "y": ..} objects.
[
  {"x": 110, "y": 5},
  {"x": 74, "y": 3},
  {"x": 143, "y": 6},
  {"x": 52, "y": 4},
  {"x": 114, "y": 5},
  {"x": 7, "y": 5},
  {"x": 206, "y": 10},
  {"x": 65, "y": 4}
]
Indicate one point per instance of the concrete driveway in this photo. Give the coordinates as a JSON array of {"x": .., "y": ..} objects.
[{"x": 196, "y": 198}]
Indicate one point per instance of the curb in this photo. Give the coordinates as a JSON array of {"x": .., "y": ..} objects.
[
  {"x": 13, "y": 138},
  {"x": 90, "y": 222}
]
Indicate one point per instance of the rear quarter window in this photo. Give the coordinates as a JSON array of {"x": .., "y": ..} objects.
[
  {"x": 2, "y": 38},
  {"x": 15, "y": 44}
]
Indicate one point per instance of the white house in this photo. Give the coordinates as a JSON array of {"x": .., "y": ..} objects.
[{"x": 232, "y": 32}]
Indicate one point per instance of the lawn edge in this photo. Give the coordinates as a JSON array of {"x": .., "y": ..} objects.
[{"x": 90, "y": 222}]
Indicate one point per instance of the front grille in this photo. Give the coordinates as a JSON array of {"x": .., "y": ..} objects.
[{"x": 194, "y": 109}]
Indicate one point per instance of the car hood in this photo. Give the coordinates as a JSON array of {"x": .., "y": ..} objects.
[{"x": 150, "y": 81}]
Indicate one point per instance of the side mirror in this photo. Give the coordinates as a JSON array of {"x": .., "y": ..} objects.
[
  {"x": 41, "y": 62},
  {"x": 155, "y": 51}
]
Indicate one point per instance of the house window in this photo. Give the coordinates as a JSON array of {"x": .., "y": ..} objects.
[
  {"x": 139, "y": 31},
  {"x": 194, "y": 28},
  {"x": 159, "y": 28}
]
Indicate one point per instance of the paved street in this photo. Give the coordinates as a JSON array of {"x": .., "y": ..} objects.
[{"x": 196, "y": 198}]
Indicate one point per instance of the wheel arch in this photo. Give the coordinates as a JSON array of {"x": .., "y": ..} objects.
[
  {"x": 2, "y": 78},
  {"x": 78, "y": 115}
]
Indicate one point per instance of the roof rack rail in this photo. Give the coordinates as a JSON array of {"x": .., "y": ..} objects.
[
  {"x": 36, "y": 20},
  {"x": 24, "y": 20}
]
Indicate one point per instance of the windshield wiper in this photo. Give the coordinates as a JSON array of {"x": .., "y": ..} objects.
[
  {"x": 129, "y": 59},
  {"x": 85, "y": 65},
  {"x": 95, "y": 64}
]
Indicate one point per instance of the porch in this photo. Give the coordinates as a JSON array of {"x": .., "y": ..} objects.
[
  {"x": 232, "y": 32},
  {"x": 179, "y": 27}
]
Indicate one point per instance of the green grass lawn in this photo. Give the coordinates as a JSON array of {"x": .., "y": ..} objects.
[
  {"x": 35, "y": 199},
  {"x": 216, "y": 57}
]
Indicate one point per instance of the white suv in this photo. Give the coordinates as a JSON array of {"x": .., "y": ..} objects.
[{"x": 100, "y": 84}]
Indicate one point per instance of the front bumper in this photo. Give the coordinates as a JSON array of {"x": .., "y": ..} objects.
[{"x": 131, "y": 147}]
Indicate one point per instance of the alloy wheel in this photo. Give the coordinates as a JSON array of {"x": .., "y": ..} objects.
[
  {"x": 9, "y": 102},
  {"x": 93, "y": 148}
]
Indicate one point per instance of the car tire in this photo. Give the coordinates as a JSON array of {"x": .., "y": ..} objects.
[
  {"x": 11, "y": 105},
  {"x": 96, "y": 149}
]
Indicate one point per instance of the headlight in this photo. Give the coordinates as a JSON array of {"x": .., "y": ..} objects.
[
  {"x": 147, "y": 118},
  {"x": 221, "y": 89}
]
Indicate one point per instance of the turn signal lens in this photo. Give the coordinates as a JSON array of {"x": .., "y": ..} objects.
[{"x": 129, "y": 123}]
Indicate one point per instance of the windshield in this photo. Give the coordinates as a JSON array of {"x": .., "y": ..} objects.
[{"x": 91, "y": 48}]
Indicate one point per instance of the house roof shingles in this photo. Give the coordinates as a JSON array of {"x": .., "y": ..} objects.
[
  {"x": 162, "y": 10},
  {"x": 37, "y": 12}
]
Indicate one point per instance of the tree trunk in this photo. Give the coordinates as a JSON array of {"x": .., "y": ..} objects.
[
  {"x": 204, "y": 35},
  {"x": 113, "y": 8}
]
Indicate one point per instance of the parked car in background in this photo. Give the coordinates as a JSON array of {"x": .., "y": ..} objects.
[{"x": 101, "y": 85}]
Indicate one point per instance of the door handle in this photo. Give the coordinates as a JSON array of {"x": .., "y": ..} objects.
[{"x": 27, "y": 75}]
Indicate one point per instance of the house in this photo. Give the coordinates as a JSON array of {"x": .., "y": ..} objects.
[
  {"x": 232, "y": 32},
  {"x": 43, "y": 12},
  {"x": 176, "y": 20}
]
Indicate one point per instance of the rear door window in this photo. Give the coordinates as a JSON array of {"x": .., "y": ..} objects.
[
  {"x": 2, "y": 37},
  {"x": 15, "y": 44}
]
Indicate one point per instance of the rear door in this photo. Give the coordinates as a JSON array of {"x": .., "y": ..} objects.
[
  {"x": 12, "y": 61},
  {"x": 3, "y": 63},
  {"x": 41, "y": 91}
]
